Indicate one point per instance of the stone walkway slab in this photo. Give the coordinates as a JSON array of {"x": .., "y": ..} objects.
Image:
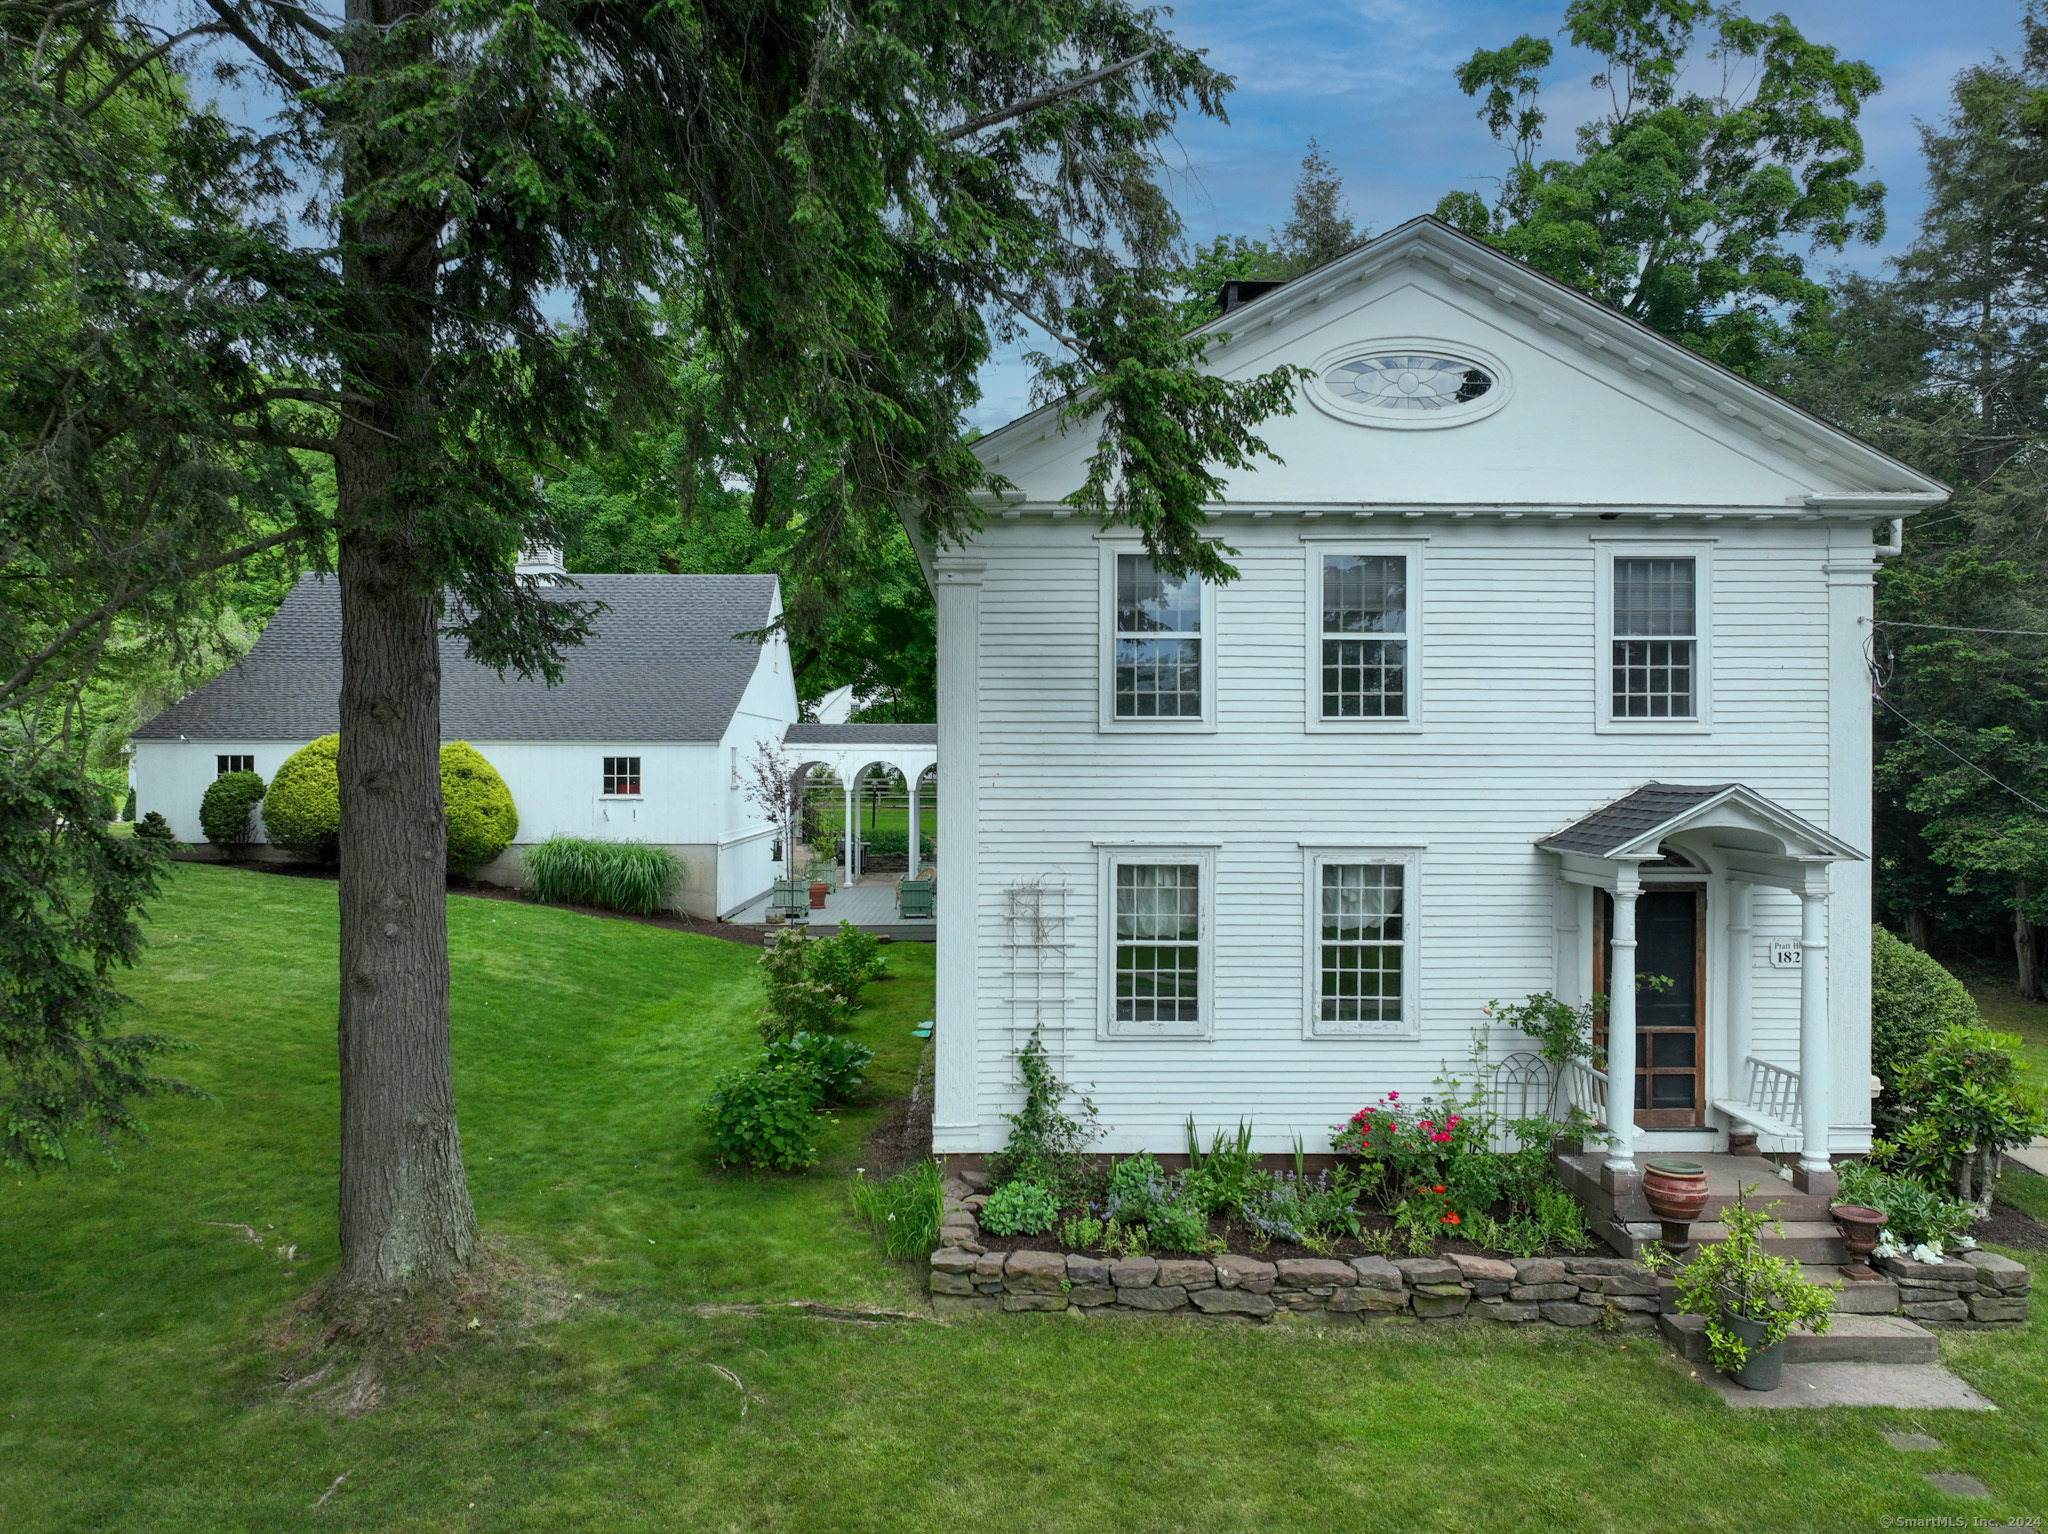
[
  {"x": 1956, "y": 1484},
  {"x": 1911, "y": 1442},
  {"x": 2034, "y": 1158},
  {"x": 1904, "y": 1385}
]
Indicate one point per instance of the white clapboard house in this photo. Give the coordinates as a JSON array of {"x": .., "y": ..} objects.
[
  {"x": 647, "y": 738},
  {"x": 1544, "y": 669}
]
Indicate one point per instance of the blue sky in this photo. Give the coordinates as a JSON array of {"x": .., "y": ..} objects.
[{"x": 1371, "y": 80}]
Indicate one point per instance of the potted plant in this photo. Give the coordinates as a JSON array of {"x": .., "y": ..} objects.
[
  {"x": 1751, "y": 1299},
  {"x": 824, "y": 849}
]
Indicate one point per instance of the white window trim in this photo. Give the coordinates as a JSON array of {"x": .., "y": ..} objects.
[
  {"x": 605, "y": 798},
  {"x": 1108, "y": 858},
  {"x": 1105, "y": 656},
  {"x": 1314, "y": 549},
  {"x": 1313, "y": 857},
  {"x": 1700, "y": 551}
]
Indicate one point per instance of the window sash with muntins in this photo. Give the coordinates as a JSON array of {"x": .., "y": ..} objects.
[
  {"x": 225, "y": 764},
  {"x": 1158, "y": 642},
  {"x": 622, "y": 776},
  {"x": 1655, "y": 639},
  {"x": 1364, "y": 628},
  {"x": 1157, "y": 942},
  {"x": 1362, "y": 943}
]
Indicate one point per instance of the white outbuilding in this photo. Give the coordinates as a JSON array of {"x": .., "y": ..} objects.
[{"x": 646, "y": 738}]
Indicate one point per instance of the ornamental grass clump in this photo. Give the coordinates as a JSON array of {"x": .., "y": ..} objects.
[
  {"x": 903, "y": 1211},
  {"x": 632, "y": 877}
]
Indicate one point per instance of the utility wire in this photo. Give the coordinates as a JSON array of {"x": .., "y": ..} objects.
[
  {"x": 2038, "y": 808},
  {"x": 1952, "y": 628}
]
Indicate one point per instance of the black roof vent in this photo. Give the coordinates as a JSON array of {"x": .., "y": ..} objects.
[{"x": 1242, "y": 290}]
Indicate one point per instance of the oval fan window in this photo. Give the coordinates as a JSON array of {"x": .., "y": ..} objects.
[{"x": 1410, "y": 385}]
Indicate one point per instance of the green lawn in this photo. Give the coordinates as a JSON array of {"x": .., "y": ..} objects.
[
  {"x": 2028, "y": 1020},
  {"x": 137, "y": 1393}
]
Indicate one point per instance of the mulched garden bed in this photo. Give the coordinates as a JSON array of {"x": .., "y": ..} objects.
[
  {"x": 1245, "y": 1241},
  {"x": 2006, "y": 1226}
]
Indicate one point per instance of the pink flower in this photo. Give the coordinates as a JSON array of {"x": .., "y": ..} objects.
[{"x": 1393, "y": 1097}]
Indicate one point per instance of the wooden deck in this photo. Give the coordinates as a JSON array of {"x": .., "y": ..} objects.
[{"x": 869, "y": 904}]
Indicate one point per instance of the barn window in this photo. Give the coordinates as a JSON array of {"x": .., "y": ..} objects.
[
  {"x": 1158, "y": 642},
  {"x": 622, "y": 775},
  {"x": 1364, "y": 629},
  {"x": 1655, "y": 640},
  {"x": 223, "y": 765}
]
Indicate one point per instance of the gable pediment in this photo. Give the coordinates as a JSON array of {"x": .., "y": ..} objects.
[{"x": 1584, "y": 406}]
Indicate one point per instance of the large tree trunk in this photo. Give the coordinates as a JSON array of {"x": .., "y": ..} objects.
[
  {"x": 1916, "y": 929},
  {"x": 406, "y": 1219},
  {"x": 2025, "y": 946}
]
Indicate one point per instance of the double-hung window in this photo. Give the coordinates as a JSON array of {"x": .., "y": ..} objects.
[
  {"x": 1156, "y": 664},
  {"x": 1361, "y": 960},
  {"x": 622, "y": 777},
  {"x": 223, "y": 765},
  {"x": 1655, "y": 657},
  {"x": 1364, "y": 636},
  {"x": 1157, "y": 964}
]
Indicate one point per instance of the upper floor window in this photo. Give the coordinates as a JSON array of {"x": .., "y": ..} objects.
[
  {"x": 223, "y": 765},
  {"x": 1655, "y": 639},
  {"x": 1364, "y": 629},
  {"x": 622, "y": 775},
  {"x": 1158, "y": 642}
]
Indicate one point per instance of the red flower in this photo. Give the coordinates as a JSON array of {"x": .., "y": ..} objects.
[
  {"x": 1393, "y": 1097},
  {"x": 1452, "y": 1218},
  {"x": 1438, "y": 1188}
]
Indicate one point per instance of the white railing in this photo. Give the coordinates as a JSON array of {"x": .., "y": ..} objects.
[
  {"x": 1586, "y": 1090},
  {"x": 1770, "y": 1100}
]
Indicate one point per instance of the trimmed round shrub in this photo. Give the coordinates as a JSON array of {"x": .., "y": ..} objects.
[
  {"x": 302, "y": 811},
  {"x": 762, "y": 1115},
  {"x": 154, "y": 828},
  {"x": 1912, "y": 998},
  {"x": 230, "y": 801},
  {"x": 481, "y": 817},
  {"x": 1020, "y": 1209}
]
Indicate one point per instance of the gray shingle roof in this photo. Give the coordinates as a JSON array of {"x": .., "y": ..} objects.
[
  {"x": 1631, "y": 816},
  {"x": 662, "y": 665},
  {"x": 862, "y": 735}
]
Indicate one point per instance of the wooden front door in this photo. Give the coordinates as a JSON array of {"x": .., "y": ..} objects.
[{"x": 1671, "y": 933}]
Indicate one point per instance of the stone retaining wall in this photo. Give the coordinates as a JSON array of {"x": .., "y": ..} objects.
[
  {"x": 1974, "y": 1288},
  {"x": 1564, "y": 1291}
]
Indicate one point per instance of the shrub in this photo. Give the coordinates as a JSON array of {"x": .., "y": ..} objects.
[
  {"x": 904, "y": 1210},
  {"x": 1019, "y": 1208},
  {"x": 1047, "y": 1145},
  {"x": 798, "y": 1001},
  {"x": 836, "y": 1063},
  {"x": 616, "y": 876},
  {"x": 482, "y": 820},
  {"x": 1177, "y": 1225},
  {"x": 128, "y": 807},
  {"x": 302, "y": 810},
  {"x": 846, "y": 962},
  {"x": 1912, "y": 998},
  {"x": 1963, "y": 1104},
  {"x": 1403, "y": 1145},
  {"x": 894, "y": 844},
  {"x": 1918, "y": 1214},
  {"x": 762, "y": 1115},
  {"x": 230, "y": 800},
  {"x": 154, "y": 828}
]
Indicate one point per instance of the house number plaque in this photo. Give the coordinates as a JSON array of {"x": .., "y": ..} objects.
[{"x": 1785, "y": 954}]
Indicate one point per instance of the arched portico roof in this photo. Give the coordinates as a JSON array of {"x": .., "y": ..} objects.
[{"x": 848, "y": 748}]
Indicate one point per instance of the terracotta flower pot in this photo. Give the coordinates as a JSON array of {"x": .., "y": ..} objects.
[
  {"x": 1860, "y": 1226},
  {"x": 818, "y": 891},
  {"x": 1676, "y": 1191}
]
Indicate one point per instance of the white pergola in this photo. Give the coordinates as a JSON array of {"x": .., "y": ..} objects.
[
  {"x": 849, "y": 751},
  {"x": 1747, "y": 840}
]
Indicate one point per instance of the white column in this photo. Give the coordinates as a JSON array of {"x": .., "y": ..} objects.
[
  {"x": 911, "y": 866},
  {"x": 848, "y": 842},
  {"x": 1736, "y": 1019},
  {"x": 956, "y": 1110},
  {"x": 1621, "y": 1030},
  {"x": 1814, "y": 1067}
]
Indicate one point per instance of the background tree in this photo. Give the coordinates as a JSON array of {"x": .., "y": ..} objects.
[
  {"x": 833, "y": 211},
  {"x": 1318, "y": 229},
  {"x": 1684, "y": 205}
]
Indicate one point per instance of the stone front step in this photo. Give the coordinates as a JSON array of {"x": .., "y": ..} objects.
[
  {"x": 1866, "y": 1297},
  {"x": 1814, "y": 1242},
  {"x": 1850, "y": 1339},
  {"x": 1726, "y": 1176}
]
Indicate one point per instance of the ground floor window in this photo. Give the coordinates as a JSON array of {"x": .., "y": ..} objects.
[
  {"x": 622, "y": 775},
  {"x": 224, "y": 764},
  {"x": 1360, "y": 961},
  {"x": 1157, "y": 970}
]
